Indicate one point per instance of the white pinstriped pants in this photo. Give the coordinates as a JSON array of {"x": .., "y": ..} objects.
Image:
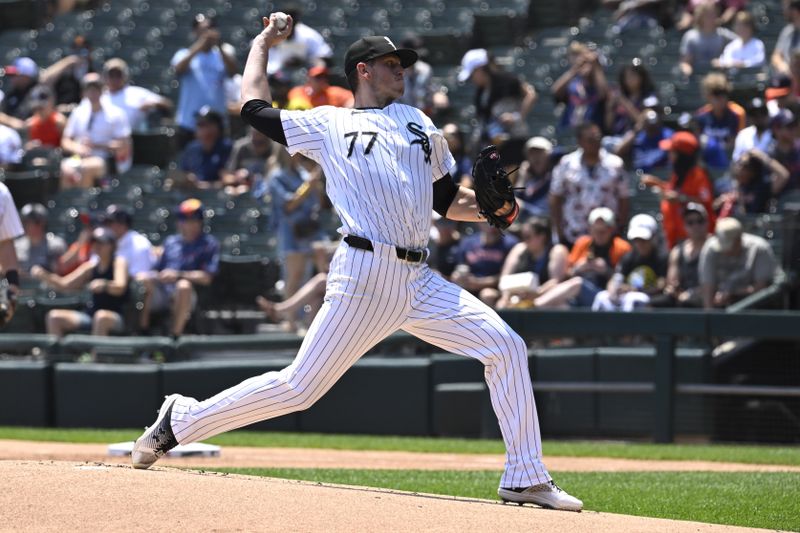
[{"x": 369, "y": 296}]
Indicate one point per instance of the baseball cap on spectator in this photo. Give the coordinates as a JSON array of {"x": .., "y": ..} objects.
[
  {"x": 602, "y": 213},
  {"x": 208, "y": 114},
  {"x": 694, "y": 207},
  {"x": 472, "y": 60},
  {"x": 539, "y": 143},
  {"x": 683, "y": 142},
  {"x": 190, "y": 209},
  {"x": 92, "y": 79},
  {"x": 36, "y": 212},
  {"x": 103, "y": 235},
  {"x": 40, "y": 94},
  {"x": 368, "y": 48},
  {"x": 782, "y": 119},
  {"x": 728, "y": 232},
  {"x": 779, "y": 86},
  {"x": 642, "y": 226},
  {"x": 118, "y": 213},
  {"x": 116, "y": 64},
  {"x": 23, "y": 66}
]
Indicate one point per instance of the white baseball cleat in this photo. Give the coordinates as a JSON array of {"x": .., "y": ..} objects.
[
  {"x": 547, "y": 495},
  {"x": 156, "y": 440}
]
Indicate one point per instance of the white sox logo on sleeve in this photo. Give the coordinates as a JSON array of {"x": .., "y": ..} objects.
[{"x": 422, "y": 139}]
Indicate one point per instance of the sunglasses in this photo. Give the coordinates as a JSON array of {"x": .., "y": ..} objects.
[{"x": 695, "y": 221}]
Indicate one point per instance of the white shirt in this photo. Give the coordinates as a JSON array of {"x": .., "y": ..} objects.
[
  {"x": 108, "y": 124},
  {"x": 10, "y": 146},
  {"x": 380, "y": 165},
  {"x": 10, "y": 224},
  {"x": 748, "y": 138},
  {"x": 306, "y": 44},
  {"x": 137, "y": 251},
  {"x": 750, "y": 53},
  {"x": 131, "y": 99}
]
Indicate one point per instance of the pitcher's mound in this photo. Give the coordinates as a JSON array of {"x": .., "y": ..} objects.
[{"x": 71, "y": 496}]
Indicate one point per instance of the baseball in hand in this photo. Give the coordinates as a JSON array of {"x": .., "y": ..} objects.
[{"x": 281, "y": 21}]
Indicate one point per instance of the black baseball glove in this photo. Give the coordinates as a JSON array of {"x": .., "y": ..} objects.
[
  {"x": 493, "y": 190},
  {"x": 8, "y": 303}
]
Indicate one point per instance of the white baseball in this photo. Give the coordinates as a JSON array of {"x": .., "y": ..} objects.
[{"x": 281, "y": 21}]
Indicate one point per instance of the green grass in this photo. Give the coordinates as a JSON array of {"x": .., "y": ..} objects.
[
  {"x": 752, "y": 454},
  {"x": 766, "y": 500}
]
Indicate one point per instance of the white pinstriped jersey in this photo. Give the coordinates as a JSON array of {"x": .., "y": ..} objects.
[
  {"x": 10, "y": 224},
  {"x": 380, "y": 165}
]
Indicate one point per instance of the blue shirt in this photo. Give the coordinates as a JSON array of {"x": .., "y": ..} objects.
[
  {"x": 646, "y": 153},
  {"x": 715, "y": 134},
  {"x": 583, "y": 104},
  {"x": 485, "y": 259},
  {"x": 201, "y": 254},
  {"x": 206, "y": 165},
  {"x": 201, "y": 84}
]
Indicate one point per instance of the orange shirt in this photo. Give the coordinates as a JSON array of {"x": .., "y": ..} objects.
[
  {"x": 582, "y": 247},
  {"x": 301, "y": 97},
  {"x": 698, "y": 186},
  {"x": 45, "y": 130}
]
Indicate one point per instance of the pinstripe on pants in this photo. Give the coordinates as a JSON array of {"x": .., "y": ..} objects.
[{"x": 369, "y": 296}]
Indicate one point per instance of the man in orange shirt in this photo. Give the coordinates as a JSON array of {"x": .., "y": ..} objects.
[
  {"x": 318, "y": 92},
  {"x": 689, "y": 183}
]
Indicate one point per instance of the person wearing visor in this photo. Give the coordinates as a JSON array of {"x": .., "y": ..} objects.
[
  {"x": 105, "y": 276},
  {"x": 189, "y": 258}
]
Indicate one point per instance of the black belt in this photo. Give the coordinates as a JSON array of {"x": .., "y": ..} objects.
[{"x": 412, "y": 256}]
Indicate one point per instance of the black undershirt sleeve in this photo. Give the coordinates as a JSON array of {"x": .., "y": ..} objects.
[
  {"x": 265, "y": 118},
  {"x": 444, "y": 192}
]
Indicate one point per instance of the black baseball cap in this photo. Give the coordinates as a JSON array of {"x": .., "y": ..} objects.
[
  {"x": 103, "y": 235},
  {"x": 118, "y": 213},
  {"x": 368, "y": 48}
]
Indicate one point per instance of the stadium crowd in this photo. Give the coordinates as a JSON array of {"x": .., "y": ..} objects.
[{"x": 576, "y": 243}]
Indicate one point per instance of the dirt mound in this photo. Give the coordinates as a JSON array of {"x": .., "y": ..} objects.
[{"x": 68, "y": 496}]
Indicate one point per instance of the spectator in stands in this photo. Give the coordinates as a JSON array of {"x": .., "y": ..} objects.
[
  {"x": 734, "y": 265},
  {"x": 481, "y": 257},
  {"x": 134, "y": 247},
  {"x": 726, "y": 9},
  {"x": 11, "y": 150},
  {"x": 46, "y": 126},
  {"x": 534, "y": 177},
  {"x": 719, "y": 121},
  {"x": 641, "y": 144},
  {"x": 204, "y": 159},
  {"x": 758, "y": 178},
  {"x": 21, "y": 76},
  {"x": 757, "y": 134},
  {"x": 445, "y": 240},
  {"x": 105, "y": 276},
  {"x": 420, "y": 90},
  {"x": 583, "y": 88},
  {"x": 201, "y": 70},
  {"x": 98, "y": 138},
  {"x": 37, "y": 246},
  {"x": 502, "y": 100},
  {"x": 786, "y": 148},
  {"x": 279, "y": 84},
  {"x": 137, "y": 102},
  {"x": 462, "y": 171},
  {"x": 780, "y": 94},
  {"x": 537, "y": 255},
  {"x": 304, "y": 47},
  {"x": 295, "y": 186},
  {"x": 683, "y": 277},
  {"x": 705, "y": 42},
  {"x": 640, "y": 274},
  {"x": 189, "y": 258},
  {"x": 587, "y": 178},
  {"x": 746, "y": 51},
  {"x": 627, "y": 102},
  {"x": 318, "y": 91},
  {"x": 788, "y": 40},
  {"x": 638, "y": 15},
  {"x": 79, "y": 251},
  {"x": 68, "y": 72},
  {"x": 246, "y": 168},
  {"x": 689, "y": 182},
  {"x": 308, "y": 298}
]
